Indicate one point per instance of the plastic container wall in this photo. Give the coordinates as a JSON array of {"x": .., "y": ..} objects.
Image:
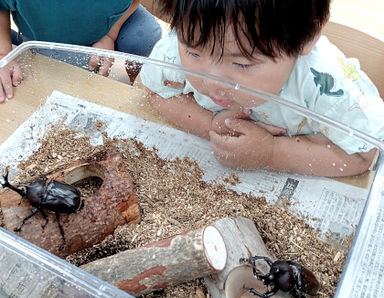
[{"x": 58, "y": 75}]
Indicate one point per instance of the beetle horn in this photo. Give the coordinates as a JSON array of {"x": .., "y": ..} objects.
[{"x": 10, "y": 186}]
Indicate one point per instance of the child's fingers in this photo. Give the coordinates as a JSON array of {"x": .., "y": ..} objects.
[
  {"x": 244, "y": 127},
  {"x": 93, "y": 62},
  {"x": 2, "y": 95},
  {"x": 17, "y": 76},
  {"x": 105, "y": 67},
  {"x": 239, "y": 125},
  {"x": 221, "y": 142},
  {"x": 243, "y": 113},
  {"x": 274, "y": 130},
  {"x": 214, "y": 137},
  {"x": 7, "y": 88},
  {"x": 238, "y": 114},
  {"x": 222, "y": 146},
  {"x": 216, "y": 141}
]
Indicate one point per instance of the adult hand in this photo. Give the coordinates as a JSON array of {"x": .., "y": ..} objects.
[
  {"x": 251, "y": 148},
  {"x": 102, "y": 65},
  {"x": 10, "y": 76}
]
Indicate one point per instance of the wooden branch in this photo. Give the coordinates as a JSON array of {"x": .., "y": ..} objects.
[
  {"x": 168, "y": 262},
  {"x": 242, "y": 241},
  {"x": 113, "y": 204}
]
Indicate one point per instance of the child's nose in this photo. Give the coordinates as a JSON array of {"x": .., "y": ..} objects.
[{"x": 216, "y": 88}]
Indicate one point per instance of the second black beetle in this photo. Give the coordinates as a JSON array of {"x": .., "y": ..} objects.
[
  {"x": 56, "y": 196},
  {"x": 286, "y": 276}
]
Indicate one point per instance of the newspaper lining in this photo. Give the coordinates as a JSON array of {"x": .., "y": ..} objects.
[{"x": 333, "y": 207}]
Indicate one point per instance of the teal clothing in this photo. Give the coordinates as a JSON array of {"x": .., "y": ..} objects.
[{"x": 81, "y": 22}]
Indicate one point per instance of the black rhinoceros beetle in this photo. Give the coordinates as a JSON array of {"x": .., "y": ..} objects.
[
  {"x": 286, "y": 276},
  {"x": 56, "y": 196}
]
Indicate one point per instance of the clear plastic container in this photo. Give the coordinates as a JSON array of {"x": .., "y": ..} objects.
[
  {"x": 57, "y": 74},
  {"x": 29, "y": 271}
]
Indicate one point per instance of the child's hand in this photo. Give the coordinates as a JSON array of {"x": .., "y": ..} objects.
[
  {"x": 102, "y": 65},
  {"x": 10, "y": 76},
  {"x": 218, "y": 122},
  {"x": 252, "y": 149}
]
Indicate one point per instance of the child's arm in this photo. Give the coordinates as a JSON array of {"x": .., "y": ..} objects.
[
  {"x": 184, "y": 112},
  {"x": 10, "y": 75},
  {"x": 108, "y": 42},
  {"x": 312, "y": 155},
  {"x": 256, "y": 147}
]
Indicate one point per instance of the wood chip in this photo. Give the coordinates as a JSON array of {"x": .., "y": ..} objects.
[{"x": 175, "y": 199}]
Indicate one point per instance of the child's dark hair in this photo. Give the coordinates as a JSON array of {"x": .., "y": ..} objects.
[{"x": 268, "y": 27}]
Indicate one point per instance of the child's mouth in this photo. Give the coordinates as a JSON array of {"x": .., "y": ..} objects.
[{"x": 222, "y": 102}]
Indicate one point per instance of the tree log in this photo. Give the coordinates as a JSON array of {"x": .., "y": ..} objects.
[
  {"x": 113, "y": 204},
  {"x": 242, "y": 241},
  {"x": 168, "y": 262}
]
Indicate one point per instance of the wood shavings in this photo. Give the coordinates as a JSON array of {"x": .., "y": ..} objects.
[{"x": 175, "y": 199}]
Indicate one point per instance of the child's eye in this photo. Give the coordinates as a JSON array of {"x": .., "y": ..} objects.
[
  {"x": 193, "y": 54},
  {"x": 243, "y": 66}
]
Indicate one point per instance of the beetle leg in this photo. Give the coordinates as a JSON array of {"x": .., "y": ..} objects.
[
  {"x": 34, "y": 211},
  {"x": 265, "y": 295},
  {"x": 21, "y": 200},
  {"x": 298, "y": 294},
  {"x": 61, "y": 231},
  {"x": 254, "y": 292},
  {"x": 45, "y": 217},
  {"x": 252, "y": 261}
]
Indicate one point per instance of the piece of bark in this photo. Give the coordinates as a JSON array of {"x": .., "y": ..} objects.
[
  {"x": 164, "y": 263},
  {"x": 242, "y": 241},
  {"x": 113, "y": 204}
]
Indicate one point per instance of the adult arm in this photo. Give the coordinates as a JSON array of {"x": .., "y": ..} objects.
[
  {"x": 114, "y": 32},
  {"x": 10, "y": 75},
  {"x": 108, "y": 42},
  {"x": 5, "y": 33}
]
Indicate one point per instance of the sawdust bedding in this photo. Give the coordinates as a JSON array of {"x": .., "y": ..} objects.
[{"x": 174, "y": 199}]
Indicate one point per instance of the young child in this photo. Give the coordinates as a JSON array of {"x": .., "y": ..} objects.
[
  {"x": 277, "y": 47},
  {"x": 121, "y": 25}
]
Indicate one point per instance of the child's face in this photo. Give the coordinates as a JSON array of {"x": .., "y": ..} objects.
[{"x": 260, "y": 72}]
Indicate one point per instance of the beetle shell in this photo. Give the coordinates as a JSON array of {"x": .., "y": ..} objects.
[
  {"x": 283, "y": 275},
  {"x": 286, "y": 276},
  {"x": 60, "y": 197},
  {"x": 35, "y": 192},
  {"x": 310, "y": 284}
]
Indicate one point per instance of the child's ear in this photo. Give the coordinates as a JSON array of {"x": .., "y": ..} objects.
[{"x": 309, "y": 46}]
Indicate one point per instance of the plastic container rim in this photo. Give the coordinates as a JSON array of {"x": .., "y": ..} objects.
[{"x": 227, "y": 82}]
